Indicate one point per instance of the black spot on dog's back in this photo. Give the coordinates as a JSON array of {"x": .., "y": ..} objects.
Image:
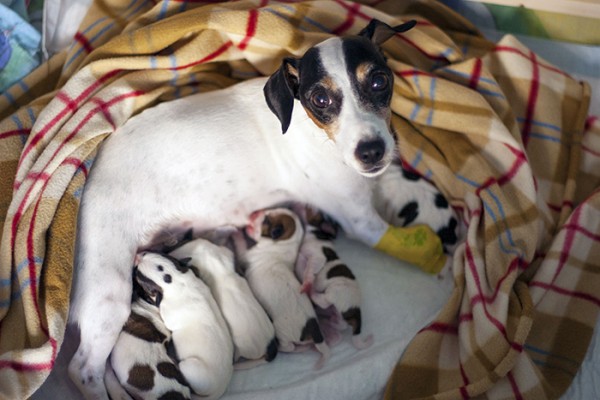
[
  {"x": 312, "y": 331},
  {"x": 271, "y": 350},
  {"x": 353, "y": 317},
  {"x": 440, "y": 201},
  {"x": 170, "y": 371},
  {"x": 409, "y": 212},
  {"x": 330, "y": 254},
  {"x": 142, "y": 328},
  {"x": 340, "y": 270},
  {"x": 141, "y": 377},
  {"x": 172, "y": 395},
  {"x": 447, "y": 234},
  {"x": 322, "y": 235}
]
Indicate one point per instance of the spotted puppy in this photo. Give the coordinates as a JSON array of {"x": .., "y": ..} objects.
[
  {"x": 139, "y": 364},
  {"x": 403, "y": 198},
  {"x": 330, "y": 284},
  {"x": 267, "y": 251},
  {"x": 200, "y": 334},
  {"x": 251, "y": 329}
]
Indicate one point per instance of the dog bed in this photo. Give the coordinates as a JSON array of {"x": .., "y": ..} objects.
[{"x": 503, "y": 133}]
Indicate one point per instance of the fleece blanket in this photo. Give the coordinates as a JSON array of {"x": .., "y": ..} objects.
[{"x": 501, "y": 132}]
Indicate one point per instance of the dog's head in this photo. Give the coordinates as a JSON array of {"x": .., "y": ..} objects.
[{"x": 345, "y": 86}]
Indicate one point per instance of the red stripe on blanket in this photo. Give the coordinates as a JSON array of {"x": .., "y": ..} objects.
[
  {"x": 413, "y": 72},
  {"x": 476, "y": 74},
  {"x": 441, "y": 327},
  {"x": 250, "y": 29},
  {"x": 514, "y": 386},
  {"x": 533, "y": 97},
  {"x": 590, "y": 121},
  {"x": 104, "y": 108},
  {"x": 25, "y": 367},
  {"x": 209, "y": 57},
  {"x": 465, "y": 378},
  {"x": 571, "y": 293},
  {"x": 86, "y": 93},
  {"x": 84, "y": 42},
  {"x": 16, "y": 132},
  {"x": 347, "y": 24},
  {"x": 541, "y": 64},
  {"x": 591, "y": 151},
  {"x": 474, "y": 273},
  {"x": 569, "y": 240}
]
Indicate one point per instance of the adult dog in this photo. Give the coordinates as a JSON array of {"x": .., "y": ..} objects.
[{"x": 211, "y": 159}]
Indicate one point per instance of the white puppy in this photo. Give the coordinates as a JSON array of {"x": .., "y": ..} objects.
[
  {"x": 139, "y": 362},
  {"x": 267, "y": 250},
  {"x": 210, "y": 159},
  {"x": 251, "y": 329},
  {"x": 200, "y": 334}
]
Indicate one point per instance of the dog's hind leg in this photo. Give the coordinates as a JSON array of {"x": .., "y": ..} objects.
[{"x": 101, "y": 302}]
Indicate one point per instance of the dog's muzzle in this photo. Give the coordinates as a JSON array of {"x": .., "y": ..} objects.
[{"x": 371, "y": 155}]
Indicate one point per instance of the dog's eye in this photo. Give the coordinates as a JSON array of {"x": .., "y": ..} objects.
[
  {"x": 320, "y": 99},
  {"x": 379, "y": 81},
  {"x": 277, "y": 231}
]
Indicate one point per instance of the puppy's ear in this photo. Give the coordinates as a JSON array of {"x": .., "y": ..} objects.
[
  {"x": 378, "y": 31},
  {"x": 280, "y": 91}
]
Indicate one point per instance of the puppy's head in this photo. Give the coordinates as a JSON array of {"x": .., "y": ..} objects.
[
  {"x": 345, "y": 86},
  {"x": 157, "y": 274},
  {"x": 279, "y": 227}
]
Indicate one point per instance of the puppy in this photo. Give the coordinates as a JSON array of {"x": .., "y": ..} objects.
[
  {"x": 210, "y": 159},
  {"x": 139, "y": 362},
  {"x": 251, "y": 329},
  {"x": 267, "y": 251},
  {"x": 328, "y": 281},
  {"x": 403, "y": 198},
  {"x": 200, "y": 334}
]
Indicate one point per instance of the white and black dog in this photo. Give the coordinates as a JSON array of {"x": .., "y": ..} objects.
[{"x": 211, "y": 159}]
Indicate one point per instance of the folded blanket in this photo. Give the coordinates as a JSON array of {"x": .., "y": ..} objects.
[{"x": 499, "y": 130}]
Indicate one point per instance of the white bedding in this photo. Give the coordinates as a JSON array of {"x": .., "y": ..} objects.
[{"x": 399, "y": 300}]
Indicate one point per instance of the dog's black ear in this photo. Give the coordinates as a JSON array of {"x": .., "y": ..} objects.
[
  {"x": 378, "y": 31},
  {"x": 281, "y": 90},
  {"x": 153, "y": 292}
]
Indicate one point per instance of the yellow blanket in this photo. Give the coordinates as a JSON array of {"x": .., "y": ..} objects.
[{"x": 499, "y": 130}]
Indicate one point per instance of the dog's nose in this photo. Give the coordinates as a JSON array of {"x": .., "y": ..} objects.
[{"x": 370, "y": 152}]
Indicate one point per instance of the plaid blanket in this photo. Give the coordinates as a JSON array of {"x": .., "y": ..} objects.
[{"x": 503, "y": 133}]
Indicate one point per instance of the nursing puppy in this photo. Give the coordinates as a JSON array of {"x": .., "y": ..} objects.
[
  {"x": 329, "y": 283},
  {"x": 199, "y": 333},
  {"x": 210, "y": 159},
  {"x": 139, "y": 362},
  {"x": 267, "y": 251},
  {"x": 251, "y": 329}
]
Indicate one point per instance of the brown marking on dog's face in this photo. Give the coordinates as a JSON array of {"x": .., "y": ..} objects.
[
  {"x": 278, "y": 226},
  {"x": 141, "y": 377},
  {"x": 362, "y": 71},
  {"x": 142, "y": 328},
  {"x": 340, "y": 270}
]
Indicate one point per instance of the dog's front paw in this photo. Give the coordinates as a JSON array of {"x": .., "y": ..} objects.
[{"x": 418, "y": 244}]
